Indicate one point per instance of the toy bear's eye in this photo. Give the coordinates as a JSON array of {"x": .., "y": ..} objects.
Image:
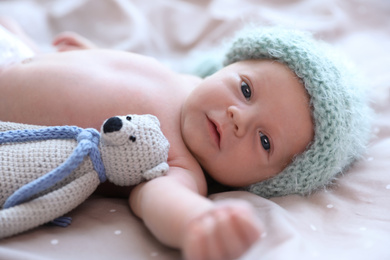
[
  {"x": 132, "y": 138},
  {"x": 128, "y": 118}
]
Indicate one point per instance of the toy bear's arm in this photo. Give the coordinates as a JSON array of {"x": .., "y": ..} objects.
[
  {"x": 156, "y": 171},
  {"x": 48, "y": 207}
]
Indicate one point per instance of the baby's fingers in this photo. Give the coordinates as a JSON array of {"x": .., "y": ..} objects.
[
  {"x": 66, "y": 38},
  {"x": 231, "y": 244},
  {"x": 195, "y": 244},
  {"x": 66, "y": 41},
  {"x": 225, "y": 232},
  {"x": 239, "y": 229},
  {"x": 248, "y": 226}
]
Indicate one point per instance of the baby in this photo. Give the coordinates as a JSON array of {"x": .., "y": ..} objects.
[{"x": 282, "y": 117}]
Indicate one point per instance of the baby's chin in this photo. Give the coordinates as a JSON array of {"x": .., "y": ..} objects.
[
  {"x": 213, "y": 175},
  {"x": 239, "y": 179}
]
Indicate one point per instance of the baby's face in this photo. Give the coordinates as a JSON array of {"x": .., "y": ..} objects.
[{"x": 245, "y": 123}]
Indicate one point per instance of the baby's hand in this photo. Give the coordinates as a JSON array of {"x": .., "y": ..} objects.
[
  {"x": 68, "y": 41},
  {"x": 225, "y": 232}
]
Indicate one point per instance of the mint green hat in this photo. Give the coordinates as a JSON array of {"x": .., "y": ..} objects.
[{"x": 340, "y": 112}]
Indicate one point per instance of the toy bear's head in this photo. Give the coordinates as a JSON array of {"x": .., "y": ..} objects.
[{"x": 133, "y": 149}]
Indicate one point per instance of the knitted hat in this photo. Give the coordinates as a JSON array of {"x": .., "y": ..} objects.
[{"x": 339, "y": 111}]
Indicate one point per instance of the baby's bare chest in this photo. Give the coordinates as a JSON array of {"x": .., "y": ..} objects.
[{"x": 86, "y": 88}]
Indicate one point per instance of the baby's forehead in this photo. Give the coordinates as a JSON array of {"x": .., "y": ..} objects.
[
  {"x": 265, "y": 65},
  {"x": 265, "y": 68},
  {"x": 270, "y": 66}
]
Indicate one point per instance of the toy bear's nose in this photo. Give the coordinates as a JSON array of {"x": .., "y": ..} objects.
[{"x": 112, "y": 124}]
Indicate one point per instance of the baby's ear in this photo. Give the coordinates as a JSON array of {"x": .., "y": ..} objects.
[{"x": 156, "y": 171}]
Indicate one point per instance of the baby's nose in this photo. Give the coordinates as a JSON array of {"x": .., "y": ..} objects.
[
  {"x": 112, "y": 124},
  {"x": 239, "y": 120}
]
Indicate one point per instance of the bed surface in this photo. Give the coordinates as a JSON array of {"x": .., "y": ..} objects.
[{"x": 349, "y": 220}]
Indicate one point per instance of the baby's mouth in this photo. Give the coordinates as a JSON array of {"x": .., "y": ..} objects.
[{"x": 214, "y": 132}]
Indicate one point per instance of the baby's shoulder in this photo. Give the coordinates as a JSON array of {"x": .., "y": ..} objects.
[{"x": 183, "y": 166}]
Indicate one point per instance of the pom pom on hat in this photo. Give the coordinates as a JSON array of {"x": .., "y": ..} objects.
[{"x": 340, "y": 112}]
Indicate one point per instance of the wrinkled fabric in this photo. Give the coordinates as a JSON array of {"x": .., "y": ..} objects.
[
  {"x": 349, "y": 220},
  {"x": 12, "y": 49}
]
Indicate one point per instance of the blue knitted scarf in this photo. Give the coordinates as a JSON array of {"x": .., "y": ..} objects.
[{"x": 87, "y": 139}]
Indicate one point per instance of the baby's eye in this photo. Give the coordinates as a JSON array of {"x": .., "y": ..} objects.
[
  {"x": 246, "y": 90},
  {"x": 265, "y": 142}
]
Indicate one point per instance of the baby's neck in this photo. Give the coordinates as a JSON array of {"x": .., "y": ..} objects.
[{"x": 215, "y": 187}]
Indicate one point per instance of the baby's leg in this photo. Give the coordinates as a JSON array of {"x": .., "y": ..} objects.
[{"x": 13, "y": 27}]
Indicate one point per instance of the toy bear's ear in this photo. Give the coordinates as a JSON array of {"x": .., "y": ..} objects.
[
  {"x": 156, "y": 171},
  {"x": 152, "y": 118}
]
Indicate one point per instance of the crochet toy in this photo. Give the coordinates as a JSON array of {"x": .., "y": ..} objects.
[{"x": 46, "y": 172}]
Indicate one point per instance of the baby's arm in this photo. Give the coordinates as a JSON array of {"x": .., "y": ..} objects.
[{"x": 179, "y": 216}]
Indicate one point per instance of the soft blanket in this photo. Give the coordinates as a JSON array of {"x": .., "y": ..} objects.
[{"x": 348, "y": 220}]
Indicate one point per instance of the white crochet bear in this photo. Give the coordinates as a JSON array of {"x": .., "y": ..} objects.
[{"x": 45, "y": 172}]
